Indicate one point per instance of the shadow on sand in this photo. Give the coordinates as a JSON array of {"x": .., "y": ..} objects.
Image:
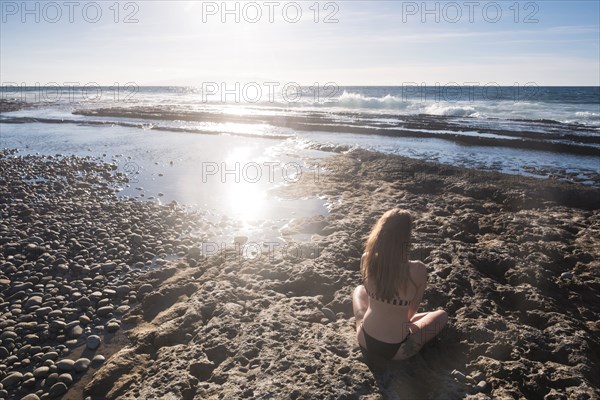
[{"x": 427, "y": 375}]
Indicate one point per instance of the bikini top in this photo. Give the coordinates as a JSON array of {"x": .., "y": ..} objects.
[{"x": 395, "y": 302}]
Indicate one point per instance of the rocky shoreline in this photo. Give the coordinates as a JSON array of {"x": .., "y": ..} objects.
[
  {"x": 71, "y": 255},
  {"x": 576, "y": 141},
  {"x": 513, "y": 260}
]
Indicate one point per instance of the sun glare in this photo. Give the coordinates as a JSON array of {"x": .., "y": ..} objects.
[
  {"x": 245, "y": 194},
  {"x": 228, "y": 22},
  {"x": 247, "y": 201}
]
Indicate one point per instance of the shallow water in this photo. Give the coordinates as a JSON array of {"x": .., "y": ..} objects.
[
  {"x": 451, "y": 140},
  {"x": 514, "y": 161},
  {"x": 231, "y": 179}
]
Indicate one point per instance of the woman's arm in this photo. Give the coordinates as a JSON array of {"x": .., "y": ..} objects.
[{"x": 421, "y": 283}]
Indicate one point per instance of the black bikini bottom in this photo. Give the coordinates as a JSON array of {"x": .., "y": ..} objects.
[{"x": 384, "y": 350}]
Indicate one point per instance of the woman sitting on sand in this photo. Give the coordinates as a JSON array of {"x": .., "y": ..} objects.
[{"x": 385, "y": 306}]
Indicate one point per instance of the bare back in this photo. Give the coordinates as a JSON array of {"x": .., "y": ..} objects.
[{"x": 390, "y": 322}]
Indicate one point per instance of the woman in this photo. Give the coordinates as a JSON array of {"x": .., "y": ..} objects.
[{"x": 385, "y": 306}]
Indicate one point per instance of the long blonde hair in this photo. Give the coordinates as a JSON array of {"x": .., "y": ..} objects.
[{"x": 385, "y": 265}]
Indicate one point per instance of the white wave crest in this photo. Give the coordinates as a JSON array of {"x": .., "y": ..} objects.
[
  {"x": 451, "y": 110},
  {"x": 357, "y": 100}
]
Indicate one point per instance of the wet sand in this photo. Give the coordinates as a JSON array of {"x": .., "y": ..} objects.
[{"x": 513, "y": 260}]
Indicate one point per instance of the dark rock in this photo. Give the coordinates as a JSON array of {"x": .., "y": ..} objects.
[
  {"x": 33, "y": 301},
  {"x": 145, "y": 288},
  {"x": 92, "y": 342},
  {"x": 66, "y": 378},
  {"x": 57, "y": 390},
  {"x": 98, "y": 359},
  {"x": 81, "y": 364},
  {"x": 329, "y": 314},
  {"x": 41, "y": 372},
  {"x": 12, "y": 379},
  {"x": 112, "y": 327},
  {"x": 75, "y": 332},
  {"x": 65, "y": 365},
  {"x": 202, "y": 370},
  {"x": 105, "y": 311}
]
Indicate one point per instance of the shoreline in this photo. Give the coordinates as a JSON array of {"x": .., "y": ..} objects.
[
  {"x": 411, "y": 126},
  {"x": 511, "y": 260},
  {"x": 475, "y": 158},
  {"x": 578, "y": 140}
]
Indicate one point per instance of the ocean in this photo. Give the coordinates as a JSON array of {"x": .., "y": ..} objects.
[{"x": 521, "y": 129}]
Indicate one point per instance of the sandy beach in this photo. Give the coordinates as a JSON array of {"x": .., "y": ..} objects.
[{"x": 86, "y": 276}]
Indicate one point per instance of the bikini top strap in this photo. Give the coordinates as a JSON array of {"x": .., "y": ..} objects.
[{"x": 395, "y": 302}]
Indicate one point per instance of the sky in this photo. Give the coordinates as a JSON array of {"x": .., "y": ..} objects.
[{"x": 346, "y": 42}]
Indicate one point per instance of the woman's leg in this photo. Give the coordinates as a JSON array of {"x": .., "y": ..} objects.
[
  {"x": 360, "y": 303},
  {"x": 423, "y": 329},
  {"x": 417, "y": 317},
  {"x": 430, "y": 325}
]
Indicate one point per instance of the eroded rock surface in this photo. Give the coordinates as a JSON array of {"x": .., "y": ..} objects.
[{"x": 498, "y": 248}]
